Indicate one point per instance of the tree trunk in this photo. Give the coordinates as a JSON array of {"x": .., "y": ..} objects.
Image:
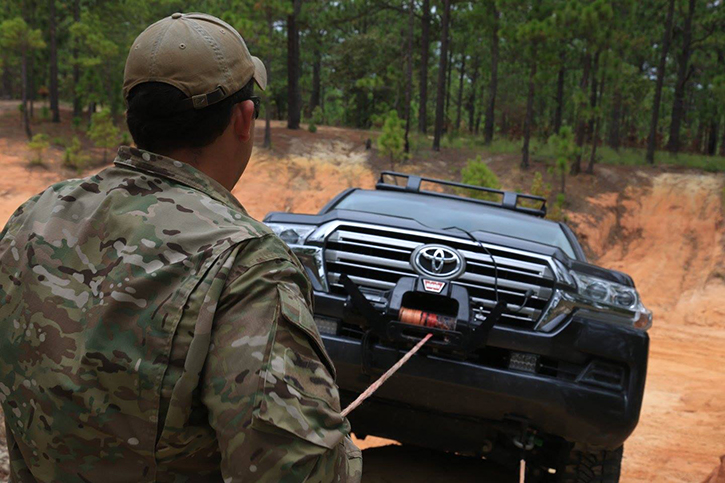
[
  {"x": 471, "y": 103},
  {"x": 460, "y": 92},
  {"x": 53, "y": 63},
  {"x": 529, "y": 114},
  {"x": 614, "y": 138},
  {"x": 294, "y": 96},
  {"x": 595, "y": 132},
  {"x": 30, "y": 80},
  {"x": 442, "y": 68},
  {"x": 593, "y": 98},
  {"x": 581, "y": 127},
  {"x": 479, "y": 116},
  {"x": 425, "y": 54},
  {"x": 409, "y": 73},
  {"x": 316, "y": 80},
  {"x": 491, "y": 110},
  {"x": 448, "y": 81},
  {"x": 24, "y": 94},
  {"x": 77, "y": 108},
  {"x": 666, "y": 41},
  {"x": 712, "y": 139},
  {"x": 560, "y": 95},
  {"x": 678, "y": 104},
  {"x": 7, "y": 84}
]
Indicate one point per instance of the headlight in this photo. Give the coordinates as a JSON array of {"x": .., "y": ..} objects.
[
  {"x": 604, "y": 292},
  {"x": 311, "y": 257},
  {"x": 593, "y": 298},
  {"x": 292, "y": 234}
]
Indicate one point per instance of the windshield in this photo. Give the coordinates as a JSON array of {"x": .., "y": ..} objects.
[{"x": 442, "y": 213}]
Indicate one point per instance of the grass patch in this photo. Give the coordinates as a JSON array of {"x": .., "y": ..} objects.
[
  {"x": 636, "y": 157},
  {"x": 605, "y": 154}
]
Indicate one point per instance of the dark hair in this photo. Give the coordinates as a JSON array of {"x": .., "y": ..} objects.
[{"x": 158, "y": 124}]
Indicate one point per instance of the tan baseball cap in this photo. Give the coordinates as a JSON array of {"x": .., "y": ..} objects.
[{"x": 201, "y": 55}]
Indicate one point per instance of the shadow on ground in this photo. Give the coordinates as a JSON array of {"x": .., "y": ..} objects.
[{"x": 407, "y": 464}]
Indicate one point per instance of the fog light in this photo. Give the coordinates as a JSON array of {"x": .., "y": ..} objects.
[
  {"x": 327, "y": 326},
  {"x": 520, "y": 361}
]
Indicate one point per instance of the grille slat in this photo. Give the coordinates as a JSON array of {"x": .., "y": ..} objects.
[{"x": 375, "y": 258}]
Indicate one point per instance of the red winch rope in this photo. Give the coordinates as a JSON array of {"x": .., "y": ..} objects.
[{"x": 374, "y": 386}]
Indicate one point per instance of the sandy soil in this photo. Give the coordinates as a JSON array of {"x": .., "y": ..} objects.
[{"x": 663, "y": 228}]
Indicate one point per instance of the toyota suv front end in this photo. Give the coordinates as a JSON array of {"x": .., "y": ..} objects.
[{"x": 535, "y": 353}]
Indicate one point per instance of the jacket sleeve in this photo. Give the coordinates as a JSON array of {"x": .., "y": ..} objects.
[{"x": 269, "y": 384}]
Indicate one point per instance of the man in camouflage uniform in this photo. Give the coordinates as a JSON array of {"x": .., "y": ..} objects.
[{"x": 151, "y": 329}]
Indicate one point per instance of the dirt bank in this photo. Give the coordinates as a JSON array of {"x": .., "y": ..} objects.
[
  {"x": 663, "y": 228},
  {"x": 669, "y": 237}
]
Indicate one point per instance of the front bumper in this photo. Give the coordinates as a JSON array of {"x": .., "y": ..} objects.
[{"x": 482, "y": 392}]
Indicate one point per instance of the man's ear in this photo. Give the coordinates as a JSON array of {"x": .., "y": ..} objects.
[{"x": 243, "y": 119}]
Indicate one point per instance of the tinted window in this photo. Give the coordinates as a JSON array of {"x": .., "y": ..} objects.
[{"x": 442, "y": 213}]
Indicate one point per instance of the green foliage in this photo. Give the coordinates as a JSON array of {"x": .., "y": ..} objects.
[
  {"x": 391, "y": 142},
  {"x": 103, "y": 132},
  {"x": 45, "y": 113},
  {"x": 126, "y": 138},
  {"x": 73, "y": 157},
  {"x": 565, "y": 150},
  {"x": 538, "y": 187},
  {"x": 39, "y": 144},
  {"x": 59, "y": 141},
  {"x": 76, "y": 122},
  {"x": 556, "y": 212},
  {"x": 311, "y": 127},
  {"x": 15, "y": 34},
  {"x": 477, "y": 173},
  {"x": 318, "y": 116}
]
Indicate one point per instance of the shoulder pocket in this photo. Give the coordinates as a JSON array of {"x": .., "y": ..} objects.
[
  {"x": 298, "y": 390},
  {"x": 298, "y": 314}
]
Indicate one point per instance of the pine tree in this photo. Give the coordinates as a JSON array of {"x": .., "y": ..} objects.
[
  {"x": 103, "y": 132},
  {"x": 391, "y": 142}
]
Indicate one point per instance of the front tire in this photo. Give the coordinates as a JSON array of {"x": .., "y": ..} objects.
[{"x": 594, "y": 467}]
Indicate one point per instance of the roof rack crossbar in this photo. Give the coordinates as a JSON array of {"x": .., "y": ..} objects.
[{"x": 509, "y": 200}]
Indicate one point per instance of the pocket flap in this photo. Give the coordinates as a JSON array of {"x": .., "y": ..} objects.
[{"x": 296, "y": 312}]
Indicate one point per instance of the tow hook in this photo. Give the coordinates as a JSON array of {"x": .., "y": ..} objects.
[{"x": 525, "y": 441}]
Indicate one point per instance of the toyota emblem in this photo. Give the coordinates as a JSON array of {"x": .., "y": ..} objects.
[{"x": 438, "y": 261}]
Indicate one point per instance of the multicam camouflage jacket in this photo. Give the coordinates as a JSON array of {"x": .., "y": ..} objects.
[{"x": 153, "y": 331}]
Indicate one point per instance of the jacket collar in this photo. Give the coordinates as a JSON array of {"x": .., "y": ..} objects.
[{"x": 177, "y": 171}]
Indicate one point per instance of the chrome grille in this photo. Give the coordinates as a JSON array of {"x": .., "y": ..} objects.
[{"x": 375, "y": 258}]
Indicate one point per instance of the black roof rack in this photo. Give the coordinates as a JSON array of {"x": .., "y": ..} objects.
[{"x": 509, "y": 199}]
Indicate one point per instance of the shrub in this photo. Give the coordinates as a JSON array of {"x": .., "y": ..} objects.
[
  {"x": 59, "y": 141},
  {"x": 477, "y": 173},
  {"x": 39, "y": 144},
  {"x": 72, "y": 157},
  {"x": 538, "y": 188},
  {"x": 318, "y": 117},
  {"x": 556, "y": 212},
  {"x": 76, "y": 121},
  {"x": 45, "y": 113},
  {"x": 391, "y": 142},
  {"x": 565, "y": 150},
  {"x": 311, "y": 127},
  {"x": 103, "y": 132},
  {"x": 126, "y": 138}
]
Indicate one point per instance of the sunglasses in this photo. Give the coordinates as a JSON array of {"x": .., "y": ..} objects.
[{"x": 257, "y": 102}]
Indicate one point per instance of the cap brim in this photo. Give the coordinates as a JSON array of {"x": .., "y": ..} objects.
[{"x": 260, "y": 73}]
